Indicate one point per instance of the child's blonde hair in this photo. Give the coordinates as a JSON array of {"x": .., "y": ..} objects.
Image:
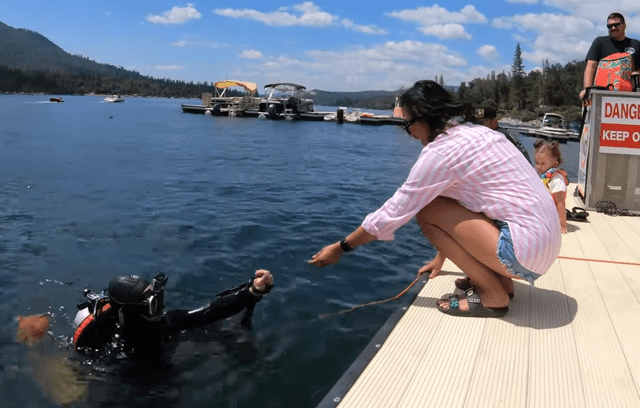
[{"x": 543, "y": 146}]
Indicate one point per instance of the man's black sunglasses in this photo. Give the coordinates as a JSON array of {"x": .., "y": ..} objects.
[
  {"x": 406, "y": 126},
  {"x": 614, "y": 25}
]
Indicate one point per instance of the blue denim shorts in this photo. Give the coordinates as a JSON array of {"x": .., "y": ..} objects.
[{"x": 507, "y": 255}]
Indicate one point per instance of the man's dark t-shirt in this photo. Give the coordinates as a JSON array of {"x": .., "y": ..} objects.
[{"x": 605, "y": 46}]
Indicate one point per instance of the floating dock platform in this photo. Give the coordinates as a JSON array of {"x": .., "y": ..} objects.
[
  {"x": 316, "y": 116},
  {"x": 572, "y": 341}
]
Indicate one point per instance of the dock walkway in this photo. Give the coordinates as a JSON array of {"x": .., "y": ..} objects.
[{"x": 573, "y": 340}]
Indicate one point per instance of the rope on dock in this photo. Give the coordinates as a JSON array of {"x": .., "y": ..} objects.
[
  {"x": 377, "y": 302},
  {"x": 599, "y": 260}
]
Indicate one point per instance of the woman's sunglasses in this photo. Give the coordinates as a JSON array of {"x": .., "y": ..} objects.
[{"x": 406, "y": 126}]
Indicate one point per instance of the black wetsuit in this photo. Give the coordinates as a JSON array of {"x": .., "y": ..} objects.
[
  {"x": 126, "y": 325},
  {"x": 516, "y": 142}
]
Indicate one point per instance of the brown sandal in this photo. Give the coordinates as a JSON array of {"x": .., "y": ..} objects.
[
  {"x": 476, "y": 308},
  {"x": 464, "y": 284}
]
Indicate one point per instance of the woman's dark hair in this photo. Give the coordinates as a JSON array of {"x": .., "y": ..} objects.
[{"x": 432, "y": 104}]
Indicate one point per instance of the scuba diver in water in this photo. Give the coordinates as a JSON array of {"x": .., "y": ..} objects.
[
  {"x": 130, "y": 315},
  {"x": 129, "y": 322}
]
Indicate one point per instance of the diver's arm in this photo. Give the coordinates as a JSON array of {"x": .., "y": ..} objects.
[{"x": 226, "y": 304}]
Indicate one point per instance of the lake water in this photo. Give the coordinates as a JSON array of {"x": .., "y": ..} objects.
[{"x": 90, "y": 190}]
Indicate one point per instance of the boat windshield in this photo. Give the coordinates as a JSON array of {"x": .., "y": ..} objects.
[{"x": 284, "y": 90}]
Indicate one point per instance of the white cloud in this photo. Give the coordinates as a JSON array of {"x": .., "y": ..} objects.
[
  {"x": 251, "y": 54},
  {"x": 349, "y": 24},
  {"x": 439, "y": 15},
  {"x": 521, "y": 39},
  {"x": 596, "y": 11},
  {"x": 177, "y": 15},
  {"x": 190, "y": 43},
  {"x": 276, "y": 18},
  {"x": 440, "y": 22},
  {"x": 169, "y": 67},
  {"x": 633, "y": 25},
  {"x": 446, "y": 31},
  {"x": 489, "y": 52},
  {"x": 547, "y": 29},
  {"x": 388, "y": 65},
  {"x": 306, "y": 14}
]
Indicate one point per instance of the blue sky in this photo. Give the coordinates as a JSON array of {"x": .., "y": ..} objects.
[{"x": 328, "y": 45}]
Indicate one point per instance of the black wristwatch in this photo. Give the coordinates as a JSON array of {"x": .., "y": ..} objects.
[{"x": 345, "y": 247}]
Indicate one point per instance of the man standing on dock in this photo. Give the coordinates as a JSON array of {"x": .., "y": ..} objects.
[{"x": 602, "y": 47}]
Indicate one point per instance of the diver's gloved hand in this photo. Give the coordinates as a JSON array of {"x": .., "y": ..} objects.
[{"x": 262, "y": 283}]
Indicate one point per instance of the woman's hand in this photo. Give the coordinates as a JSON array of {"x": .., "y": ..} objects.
[
  {"x": 434, "y": 266},
  {"x": 328, "y": 255}
]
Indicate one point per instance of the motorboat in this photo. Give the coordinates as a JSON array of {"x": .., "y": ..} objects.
[
  {"x": 285, "y": 101},
  {"x": 56, "y": 99},
  {"x": 346, "y": 115},
  {"x": 553, "y": 127},
  {"x": 223, "y": 103},
  {"x": 114, "y": 96}
]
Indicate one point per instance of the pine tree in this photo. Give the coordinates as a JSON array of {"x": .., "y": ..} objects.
[
  {"x": 517, "y": 68},
  {"x": 518, "y": 91}
]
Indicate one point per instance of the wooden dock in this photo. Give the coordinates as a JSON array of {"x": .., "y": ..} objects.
[
  {"x": 315, "y": 116},
  {"x": 573, "y": 340}
]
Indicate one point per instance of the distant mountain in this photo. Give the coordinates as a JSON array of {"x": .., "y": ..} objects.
[
  {"x": 383, "y": 100},
  {"x": 27, "y": 50},
  {"x": 30, "y": 53}
]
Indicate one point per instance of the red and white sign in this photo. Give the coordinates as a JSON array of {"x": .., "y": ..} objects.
[{"x": 620, "y": 126}]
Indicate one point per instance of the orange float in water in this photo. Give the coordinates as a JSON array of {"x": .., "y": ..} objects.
[{"x": 32, "y": 328}]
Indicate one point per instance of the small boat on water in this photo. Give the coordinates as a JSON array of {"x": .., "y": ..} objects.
[
  {"x": 56, "y": 99},
  {"x": 554, "y": 127},
  {"x": 285, "y": 101},
  {"x": 221, "y": 103},
  {"x": 114, "y": 96},
  {"x": 344, "y": 115},
  {"x": 224, "y": 105}
]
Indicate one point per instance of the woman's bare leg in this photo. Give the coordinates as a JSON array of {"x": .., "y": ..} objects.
[{"x": 470, "y": 240}]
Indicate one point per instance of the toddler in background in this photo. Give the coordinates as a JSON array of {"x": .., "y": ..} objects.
[{"x": 548, "y": 159}]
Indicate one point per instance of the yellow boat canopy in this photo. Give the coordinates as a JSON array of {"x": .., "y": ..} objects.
[{"x": 249, "y": 86}]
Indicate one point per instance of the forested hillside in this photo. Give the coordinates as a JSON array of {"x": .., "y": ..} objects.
[{"x": 29, "y": 62}]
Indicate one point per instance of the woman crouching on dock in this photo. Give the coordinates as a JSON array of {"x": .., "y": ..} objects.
[{"x": 476, "y": 199}]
